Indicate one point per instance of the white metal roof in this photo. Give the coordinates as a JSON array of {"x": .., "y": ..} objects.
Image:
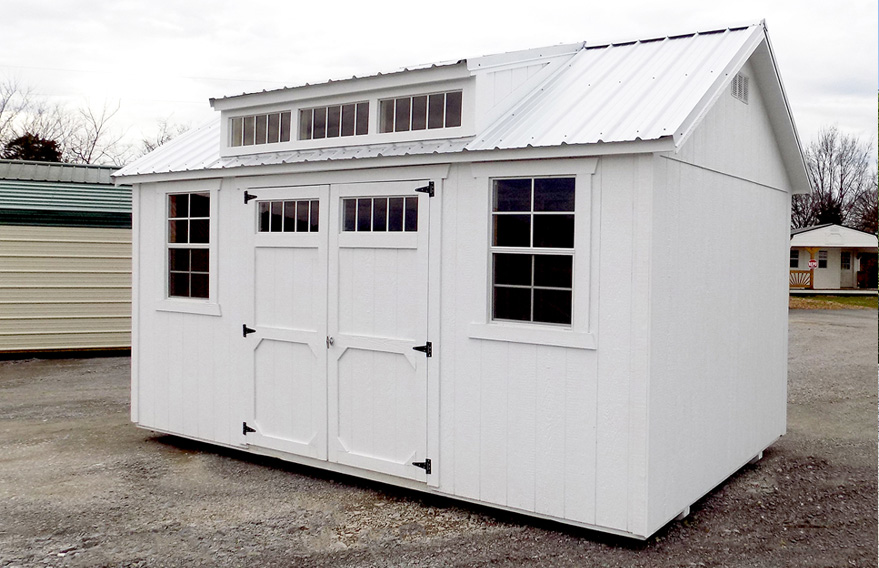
[
  {"x": 648, "y": 90},
  {"x": 642, "y": 90}
]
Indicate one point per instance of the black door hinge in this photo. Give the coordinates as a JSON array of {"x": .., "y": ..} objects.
[
  {"x": 425, "y": 465},
  {"x": 428, "y": 189},
  {"x": 427, "y": 349},
  {"x": 246, "y": 330},
  {"x": 248, "y": 196},
  {"x": 245, "y": 428}
]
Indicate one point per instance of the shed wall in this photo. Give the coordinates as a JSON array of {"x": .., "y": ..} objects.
[
  {"x": 553, "y": 430},
  {"x": 64, "y": 288},
  {"x": 718, "y": 357}
]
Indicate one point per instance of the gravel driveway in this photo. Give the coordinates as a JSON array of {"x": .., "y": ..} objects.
[{"x": 81, "y": 486}]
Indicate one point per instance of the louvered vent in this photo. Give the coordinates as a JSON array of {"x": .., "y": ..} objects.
[{"x": 740, "y": 87}]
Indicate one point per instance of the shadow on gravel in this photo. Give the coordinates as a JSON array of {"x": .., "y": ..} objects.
[{"x": 395, "y": 493}]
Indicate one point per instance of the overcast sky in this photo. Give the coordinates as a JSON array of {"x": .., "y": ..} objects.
[{"x": 164, "y": 59}]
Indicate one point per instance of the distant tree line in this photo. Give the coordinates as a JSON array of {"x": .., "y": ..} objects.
[
  {"x": 33, "y": 128},
  {"x": 842, "y": 170}
]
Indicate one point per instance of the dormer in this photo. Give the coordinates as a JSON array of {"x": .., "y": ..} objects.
[{"x": 441, "y": 101}]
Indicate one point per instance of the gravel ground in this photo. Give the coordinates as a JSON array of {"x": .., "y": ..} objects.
[{"x": 81, "y": 486}]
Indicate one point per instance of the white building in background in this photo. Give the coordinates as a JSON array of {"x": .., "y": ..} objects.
[
  {"x": 65, "y": 259},
  {"x": 841, "y": 258},
  {"x": 510, "y": 279}
]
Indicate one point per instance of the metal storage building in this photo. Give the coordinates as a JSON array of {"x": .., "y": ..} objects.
[
  {"x": 65, "y": 258},
  {"x": 550, "y": 281}
]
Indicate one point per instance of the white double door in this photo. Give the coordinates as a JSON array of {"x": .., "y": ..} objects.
[{"x": 339, "y": 304}]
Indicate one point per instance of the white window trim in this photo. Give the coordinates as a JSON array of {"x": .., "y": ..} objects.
[
  {"x": 581, "y": 333},
  {"x": 200, "y": 306}
]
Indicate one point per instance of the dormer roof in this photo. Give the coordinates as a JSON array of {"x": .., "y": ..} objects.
[{"x": 599, "y": 98}]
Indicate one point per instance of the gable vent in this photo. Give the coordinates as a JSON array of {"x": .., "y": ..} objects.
[{"x": 740, "y": 87}]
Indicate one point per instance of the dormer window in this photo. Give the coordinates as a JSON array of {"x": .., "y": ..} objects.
[
  {"x": 334, "y": 121},
  {"x": 439, "y": 110},
  {"x": 260, "y": 129}
]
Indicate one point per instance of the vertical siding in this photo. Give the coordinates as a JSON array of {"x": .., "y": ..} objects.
[
  {"x": 64, "y": 288},
  {"x": 187, "y": 379},
  {"x": 718, "y": 355},
  {"x": 521, "y": 423}
]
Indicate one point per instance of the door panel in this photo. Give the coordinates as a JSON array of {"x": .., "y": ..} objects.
[
  {"x": 377, "y": 314},
  {"x": 289, "y": 268}
]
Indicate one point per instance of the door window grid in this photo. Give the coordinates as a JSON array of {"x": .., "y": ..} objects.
[
  {"x": 299, "y": 216},
  {"x": 380, "y": 214},
  {"x": 532, "y": 250},
  {"x": 794, "y": 258},
  {"x": 189, "y": 245},
  {"x": 845, "y": 261},
  {"x": 822, "y": 259}
]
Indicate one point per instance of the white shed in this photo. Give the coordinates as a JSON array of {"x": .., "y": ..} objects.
[{"x": 549, "y": 281}]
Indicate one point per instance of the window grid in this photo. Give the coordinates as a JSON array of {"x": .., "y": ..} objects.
[
  {"x": 532, "y": 270},
  {"x": 380, "y": 214},
  {"x": 822, "y": 259},
  {"x": 289, "y": 216},
  {"x": 349, "y": 119},
  {"x": 188, "y": 242},
  {"x": 794, "y": 258},
  {"x": 259, "y": 129},
  {"x": 421, "y": 112}
]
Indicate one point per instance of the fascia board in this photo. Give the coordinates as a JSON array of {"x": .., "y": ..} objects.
[{"x": 795, "y": 159}]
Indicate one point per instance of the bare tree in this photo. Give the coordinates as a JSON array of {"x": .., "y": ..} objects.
[
  {"x": 94, "y": 140},
  {"x": 167, "y": 130},
  {"x": 841, "y": 169},
  {"x": 15, "y": 99}
]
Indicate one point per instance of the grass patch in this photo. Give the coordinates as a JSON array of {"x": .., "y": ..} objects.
[{"x": 836, "y": 302}]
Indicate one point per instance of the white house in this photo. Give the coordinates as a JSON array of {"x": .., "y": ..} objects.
[
  {"x": 549, "y": 281},
  {"x": 832, "y": 257}
]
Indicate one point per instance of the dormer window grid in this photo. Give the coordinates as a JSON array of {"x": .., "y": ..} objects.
[
  {"x": 333, "y": 121},
  {"x": 421, "y": 112},
  {"x": 260, "y": 129}
]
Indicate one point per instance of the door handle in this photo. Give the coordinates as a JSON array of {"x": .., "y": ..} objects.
[{"x": 330, "y": 341}]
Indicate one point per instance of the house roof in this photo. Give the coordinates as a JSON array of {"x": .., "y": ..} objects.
[
  {"x": 830, "y": 235},
  {"x": 49, "y": 186},
  {"x": 653, "y": 90}
]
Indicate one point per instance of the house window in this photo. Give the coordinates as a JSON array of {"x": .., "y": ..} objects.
[
  {"x": 334, "y": 121},
  {"x": 439, "y": 110},
  {"x": 380, "y": 214},
  {"x": 845, "y": 260},
  {"x": 189, "y": 244},
  {"x": 532, "y": 250},
  {"x": 299, "y": 216},
  {"x": 822, "y": 259},
  {"x": 259, "y": 129},
  {"x": 794, "y": 258}
]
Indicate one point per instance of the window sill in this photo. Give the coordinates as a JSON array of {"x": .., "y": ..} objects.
[
  {"x": 536, "y": 335},
  {"x": 182, "y": 306}
]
